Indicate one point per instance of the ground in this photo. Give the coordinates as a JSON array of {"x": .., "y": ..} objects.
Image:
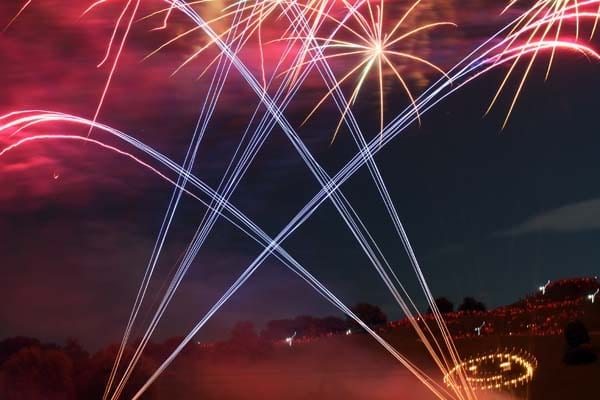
[{"x": 355, "y": 367}]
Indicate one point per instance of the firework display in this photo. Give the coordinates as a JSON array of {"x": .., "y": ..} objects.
[{"x": 349, "y": 45}]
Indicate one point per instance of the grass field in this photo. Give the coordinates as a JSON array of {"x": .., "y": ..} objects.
[{"x": 355, "y": 367}]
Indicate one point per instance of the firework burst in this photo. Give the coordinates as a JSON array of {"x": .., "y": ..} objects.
[
  {"x": 548, "y": 19},
  {"x": 364, "y": 34},
  {"x": 376, "y": 43}
]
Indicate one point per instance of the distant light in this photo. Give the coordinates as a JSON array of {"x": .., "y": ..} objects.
[
  {"x": 543, "y": 288},
  {"x": 290, "y": 340},
  {"x": 592, "y": 296},
  {"x": 349, "y": 332},
  {"x": 505, "y": 366},
  {"x": 478, "y": 329}
]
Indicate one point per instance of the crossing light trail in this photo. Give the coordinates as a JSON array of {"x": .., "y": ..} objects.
[
  {"x": 253, "y": 230},
  {"x": 206, "y": 112},
  {"x": 496, "y": 62},
  {"x": 525, "y": 37},
  {"x": 352, "y": 125}
]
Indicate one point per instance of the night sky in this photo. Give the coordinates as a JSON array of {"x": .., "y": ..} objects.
[{"x": 491, "y": 212}]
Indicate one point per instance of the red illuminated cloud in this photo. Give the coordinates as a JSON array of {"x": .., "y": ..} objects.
[{"x": 49, "y": 59}]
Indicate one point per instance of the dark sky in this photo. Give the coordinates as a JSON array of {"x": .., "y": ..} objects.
[{"x": 491, "y": 213}]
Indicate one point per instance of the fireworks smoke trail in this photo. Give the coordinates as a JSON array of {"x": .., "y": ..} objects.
[
  {"x": 355, "y": 228},
  {"x": 133, "y": 6},
  {"x": 327, "y": 75},
  {"x": 208, "y": 108},
  {"x": 470, "y": 67},
  {"x": 21, "y": 10},
  {"x": 268, "y": 243},
  {"x": 484, "y": 65},
  {"x": 351, "y": 227},
  {"x": 379, "y": 147},
  {"x": 181, "y": 272}
]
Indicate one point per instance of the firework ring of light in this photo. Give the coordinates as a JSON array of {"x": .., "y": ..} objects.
[{"x": 494, "y": 371}]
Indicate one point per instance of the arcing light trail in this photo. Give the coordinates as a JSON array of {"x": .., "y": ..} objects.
[
  {"x": 366, "y": 153},
  {"x": 193, "y": 249},
  {"x": 554, "y": 6},
  {"x": 558, "y": 8},
  {"x": 218, "y": 305},
  {"x": 304, "y": 151},
  {"x": 355, "y": 225},
  {"x": 244, "y": 224},
  {"x": 407, "y": 312},
  {"x": 480, "y": 63},
  {"x": 207, "y": 110}
]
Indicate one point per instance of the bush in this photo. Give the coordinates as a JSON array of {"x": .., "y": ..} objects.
[
  {"x": 576, "y": 334},
  {"x": 579, "y": 348},
  {"x": 370, "y": 314},
  {"x": 470, "y": 304},
  {"x": 444, "y": 305},
  {"x": 35, "y": 373}
]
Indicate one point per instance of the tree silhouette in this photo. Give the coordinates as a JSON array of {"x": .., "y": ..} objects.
[
  {"x": 278, "y": 329},
  {"x": 75, "y": 352},
  {"x": 97, "y": 371},
  {"x": 443, "y": 304},
  {"x": 35, "y": 373},
  {"x": 579, "y": 349},
  {"x": 469, "y": 304},
  {"x": 244, "y": 336},
  {"x": 576, "y": 334},
  {"x": 10, "y": 346},
  {"x": 370, "y": 314},
  {"x": 333, "y": 325},
  {"x": 304, "y": 326}
]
